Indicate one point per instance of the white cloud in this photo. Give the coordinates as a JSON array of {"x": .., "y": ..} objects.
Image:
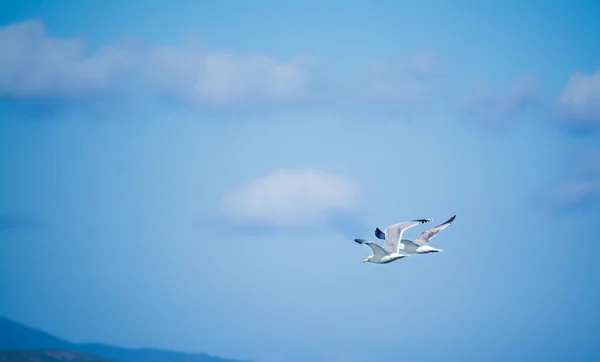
[
  {"x": 493, "y": 106},
  {"x": 291, "y": 199},
  {"x": 224, "y": 78},
  {"x": 35, "y": 64},
  {"x": 579, "y": 102}
]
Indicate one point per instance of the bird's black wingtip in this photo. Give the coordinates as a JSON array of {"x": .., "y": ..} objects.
[
  {"x": 380, "y": 234},
  {"x": 360, "y": 241},
  {"x": 422, "y": 220},
  {"x": 447, "y": 222}
]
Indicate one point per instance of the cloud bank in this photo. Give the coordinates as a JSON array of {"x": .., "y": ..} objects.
[{"x": 34, "y": 64}]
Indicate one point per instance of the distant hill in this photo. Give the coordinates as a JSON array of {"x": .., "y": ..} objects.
[
  {"x": 17, "y": 336},
  {"x": 48, "y": 356},
  {"x": 33, "y": 345}
]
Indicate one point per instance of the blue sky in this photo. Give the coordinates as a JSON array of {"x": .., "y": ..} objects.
[{"x": 191, "y": 176}]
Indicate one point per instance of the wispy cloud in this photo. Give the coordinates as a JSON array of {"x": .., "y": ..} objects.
[
  {"x": 404, "y": 83},
  {"x": 424, "y": 64},
  {"x": 390, "y": 84},
  {"x": 494, "y": 107},
  {"x": 293, "y": 200},
  {"x": 578, "y": 105},
  {"x": 582, "y": 185},
  {"x": 11, "y": 220},
  {"x": 576, "y": 193},
  {"x": 588, "y": 161}
]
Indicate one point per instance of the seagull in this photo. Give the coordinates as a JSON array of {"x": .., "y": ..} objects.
[
  {"x": 421, "y": 244},
  {"x": 391, "y": 245}
]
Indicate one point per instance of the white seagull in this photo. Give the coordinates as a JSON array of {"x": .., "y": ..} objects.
[
  {"x": 391, "y": 245},
  {"x": 421, "y": 244}
]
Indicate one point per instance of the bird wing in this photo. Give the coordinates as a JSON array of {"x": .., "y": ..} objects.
[
  {"x": 408, "y": 247},
  {"x": 427, "y": 235},
  {"x": 393, "y": 234},
  {"x": 378, "y": 251}
]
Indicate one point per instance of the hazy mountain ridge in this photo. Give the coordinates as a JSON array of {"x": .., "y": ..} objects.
[
  {"x": 29, "y": 344},
  {"x": 48, "y": 356}
]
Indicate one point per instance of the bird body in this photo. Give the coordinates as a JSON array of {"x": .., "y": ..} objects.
[{"x": 380, "y": 256}]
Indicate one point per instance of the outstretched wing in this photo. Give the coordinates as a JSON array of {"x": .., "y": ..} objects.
[
  {"x": 393, "y": 234},
  {"x": 378, "y": 251},
  {"x": 427, "y": 235}
]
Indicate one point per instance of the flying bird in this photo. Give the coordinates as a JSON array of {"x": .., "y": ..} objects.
[
  {"x": 421, "y": 244},
  {"x": 391, "y": 245}
]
